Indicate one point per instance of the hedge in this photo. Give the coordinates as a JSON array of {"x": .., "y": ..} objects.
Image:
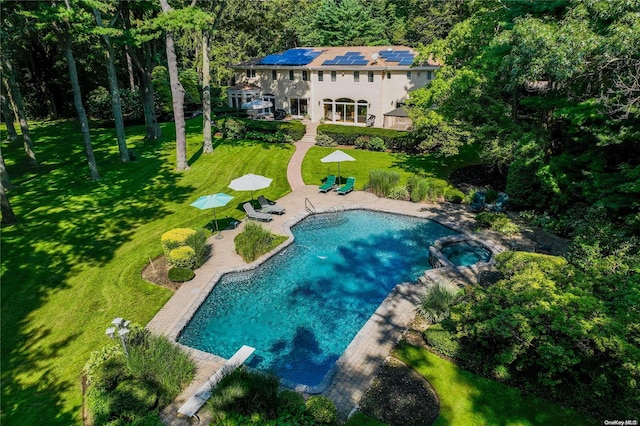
[
  {"x": 294, "y": 129},
  {"x": 347, "y": 135},
  {"x": 182, "y": 257}
]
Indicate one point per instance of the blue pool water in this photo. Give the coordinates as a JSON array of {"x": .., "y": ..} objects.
[
  {"x": 302, "y": 307},
  {"x": 465, "y": 254}
]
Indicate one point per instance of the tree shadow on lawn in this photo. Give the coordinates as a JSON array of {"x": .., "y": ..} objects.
[
  {"x": 66, "y": 222},
  {"x": 440, "y": 167}
]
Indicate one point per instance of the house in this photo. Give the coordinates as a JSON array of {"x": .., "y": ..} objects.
[{"x": 344, "y": 85}]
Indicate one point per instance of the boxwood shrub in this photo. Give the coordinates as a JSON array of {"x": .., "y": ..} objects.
[
  {"x": 321, "y": 410},
  {"x": 347, "y": 135},
  {"x": 180, "y": 275}
]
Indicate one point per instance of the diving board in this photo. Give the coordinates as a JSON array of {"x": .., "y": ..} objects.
[{"x": 193, "y": 404}]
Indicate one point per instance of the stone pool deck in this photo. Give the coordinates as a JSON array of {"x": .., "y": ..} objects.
[{"x": 358, "y": 365}]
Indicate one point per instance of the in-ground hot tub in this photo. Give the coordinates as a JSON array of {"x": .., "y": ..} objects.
[{"x": 458, "y": 250}]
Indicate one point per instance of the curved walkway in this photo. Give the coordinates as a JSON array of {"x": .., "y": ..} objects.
[{"x": 294, "y": 168}]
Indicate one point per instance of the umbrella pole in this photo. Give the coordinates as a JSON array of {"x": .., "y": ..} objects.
[
  {"x": 339, "y": 183},
  {"x": 215, "y": 217}
]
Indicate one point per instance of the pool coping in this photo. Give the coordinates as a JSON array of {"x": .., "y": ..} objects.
[{"x": 355, "y": 342}]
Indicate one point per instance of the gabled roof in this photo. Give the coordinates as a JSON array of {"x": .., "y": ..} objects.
[
  {"x": 356, "y": 57},
  {"x": 398, "y": 112}
]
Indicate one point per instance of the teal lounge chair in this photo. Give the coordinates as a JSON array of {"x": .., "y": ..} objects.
[
  {"x": 477, "y": 204},
  {"x": 328, "y": 185},
  {"x": 501, "y": 203},
  {"x": 348, "y": 187}
]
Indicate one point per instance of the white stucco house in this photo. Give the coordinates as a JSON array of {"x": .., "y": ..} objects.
[{"x": 342, "y": 85}]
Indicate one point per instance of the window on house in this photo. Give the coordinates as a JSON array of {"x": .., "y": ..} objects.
[
  {"x": 408, "y": 75},
  {"x": 320, "y": 75},
  {"x": 429, "y": 75},
  {"x": 274, "y": 75},
  {"x": 388, "y": 76},
  {"x": 251, "y": 73},
  {"x": 370, "y": 74},
  {"x": 356, "y": 76},
  {"x": 291, "y": 75},
  {"x": 333, "y": 76},
  {"x": 305, "y": 75}
]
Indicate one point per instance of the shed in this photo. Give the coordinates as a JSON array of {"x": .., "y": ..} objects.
[{"x": 397, "y": 119}]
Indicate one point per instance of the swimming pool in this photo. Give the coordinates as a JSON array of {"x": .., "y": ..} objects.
[{"x": 301, "y": 308}]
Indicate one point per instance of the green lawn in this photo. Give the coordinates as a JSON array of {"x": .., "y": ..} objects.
[
  {"x": 314, "y": 171},
  {"x": 73, "y": 261},
  {"x": 468, "y": 399}
]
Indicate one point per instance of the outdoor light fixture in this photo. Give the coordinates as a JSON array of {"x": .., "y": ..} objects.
[{"x": 121, "y": 327}]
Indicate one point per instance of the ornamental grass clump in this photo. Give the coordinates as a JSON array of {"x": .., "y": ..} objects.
[
  {"x": 381, "y": 182},
  {"x": 427, "y": 189},
  {"x": 255, "y": 241}
]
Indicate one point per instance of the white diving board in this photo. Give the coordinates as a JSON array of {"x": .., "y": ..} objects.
[{"x": 193, "y": 404}]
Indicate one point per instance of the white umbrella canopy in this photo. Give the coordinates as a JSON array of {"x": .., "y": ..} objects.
[
  {"x": 250, "y": 182},
  {"x": 256, "y": 104},
  {"x": 337, "y": 156}
]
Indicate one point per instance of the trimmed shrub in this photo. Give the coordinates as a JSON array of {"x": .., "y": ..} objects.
[
  {"x": 182, "y": 257},
  {"x": 498, "y": 222},
  {"x": 175, "y": 238},
  {"x": 381, "y": 182},
  {"x": 399, "y": 192},
  {"x": 362, "y": 142},
  {"x": 295, "y": 129},
  {"x": 442, "y": 341},
  {"x": 377, "y": 144},
  {"x": 180, "y": 275},
  {"x": 321, "y": 410},
  {"x": 255, "y": 241},
  {"x": 233, "y": 129},
  {"x": 454, "y": 195},
  {"x": 325, "y": 140},
  {"x": 347, "y": 135}
]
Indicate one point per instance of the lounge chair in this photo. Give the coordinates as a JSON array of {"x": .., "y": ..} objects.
[
  {"x": 328, "y": 185},
  {"x": 477, "y": 203},
  {"x": 501, "y": 203},
  {"x": 252, "y": 214},
  {"x": 267, "y": 207},
  {"x": 348, "y": 187}
]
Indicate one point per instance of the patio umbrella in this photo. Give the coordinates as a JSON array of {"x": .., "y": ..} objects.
[
  {"x": 337, "y": 157},
  {"x": 256, "y": 104},
  {"x": 211, "y": 202},
  {"x": 250, "y": 182}
]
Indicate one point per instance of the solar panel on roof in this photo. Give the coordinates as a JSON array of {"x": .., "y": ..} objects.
[
  {"x": 353, "y": 53},
  {"x": 408, "y": 61},
  {"x": 298, "y": 56},
  {"x": 360, "y": 62}
]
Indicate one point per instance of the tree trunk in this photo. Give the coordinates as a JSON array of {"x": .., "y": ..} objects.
[
  {"x": 132, "y": 81},
  {"x": 207, "y": 146},
  {"x": 82, "y": 114},
  {"x": 116, "y": 103},
  {"x": 177, "y": 95},
  {"x": 16, "y": 95},
  {"x": 4, "y": 175},
  {"x": 146, "y": 96},
  {"x": 7, "y": 117},
  {"x": 8, "y": 216}
]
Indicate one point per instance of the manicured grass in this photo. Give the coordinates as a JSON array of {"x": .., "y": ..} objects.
[
  {"x": 467, "y": 399},
  {"x": 73, "y": 261},
  {"x": 314, "y": 171}
]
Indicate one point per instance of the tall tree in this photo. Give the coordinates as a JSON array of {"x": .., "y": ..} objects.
[
  {"x": 16, "y": 95},
  {"x": 4, "y": 175},
  {"x": 114, "y": 89},
  {"x": 7, "y": 117},
  {"x": 177, "y": 95}
]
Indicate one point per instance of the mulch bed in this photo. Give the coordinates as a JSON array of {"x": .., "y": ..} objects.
[
  {"x": 156, "y": 273},
  {"x": 399, "y": 396}
]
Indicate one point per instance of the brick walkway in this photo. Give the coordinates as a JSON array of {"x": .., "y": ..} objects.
[{"x": 355, "y": 369}]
